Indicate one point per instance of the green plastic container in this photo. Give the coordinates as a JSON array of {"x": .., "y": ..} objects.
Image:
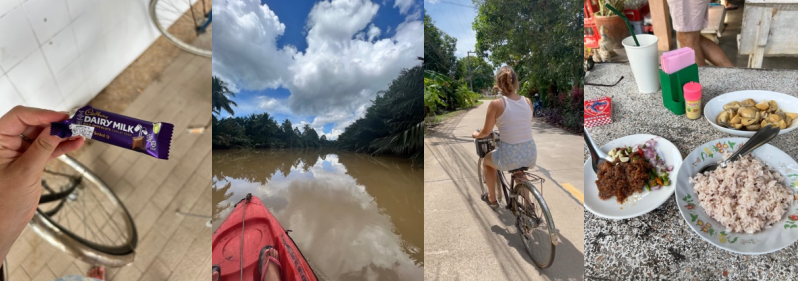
[{"x": 672, "y": 84}]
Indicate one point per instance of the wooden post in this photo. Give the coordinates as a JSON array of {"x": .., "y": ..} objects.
[
  {"x": 661, "y": 20},
  {"x": 762, "y": 32}
]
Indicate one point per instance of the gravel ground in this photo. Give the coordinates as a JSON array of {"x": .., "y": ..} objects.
[{"x": 660, "y": 245}]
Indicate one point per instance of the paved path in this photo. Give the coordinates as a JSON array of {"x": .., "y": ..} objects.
[{"x": 464, "y": 239}]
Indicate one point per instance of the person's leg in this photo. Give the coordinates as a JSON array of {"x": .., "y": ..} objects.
[
  {"x": 692, "y": 39},
  {"x": 713, "y": 53},
  {"x": 490, "y": 176}
]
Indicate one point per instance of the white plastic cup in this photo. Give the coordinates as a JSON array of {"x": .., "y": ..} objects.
[{"x": 643, "y": 60}]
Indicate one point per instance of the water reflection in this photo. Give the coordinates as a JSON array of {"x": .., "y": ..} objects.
[{"x": 354, "y": 217}]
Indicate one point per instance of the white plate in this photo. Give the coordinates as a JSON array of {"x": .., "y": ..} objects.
[
  {"x": 714, "y": 107},
  {"x": 640, "y": 203},
  {"x": 780, "y": 235}
]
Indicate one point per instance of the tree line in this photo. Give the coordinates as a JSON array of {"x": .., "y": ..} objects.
[{"x": 392, "y": 124}]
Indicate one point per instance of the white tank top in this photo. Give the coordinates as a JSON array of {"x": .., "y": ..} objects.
[{"x": 515, "y": 123}]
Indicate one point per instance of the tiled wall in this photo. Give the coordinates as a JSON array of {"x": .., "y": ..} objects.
[{"x": 59, "y": 54}]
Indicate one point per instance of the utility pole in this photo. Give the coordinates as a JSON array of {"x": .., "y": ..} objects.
[{"x": 468, "y": 65}]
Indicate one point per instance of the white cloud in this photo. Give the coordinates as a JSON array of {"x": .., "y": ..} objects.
[
  {"x": 272, "y": 105},
  {"x": 339, "y": 73},
  {"x": 338, "y": 20},
  {"x": 404, "y": 5},
  {"x": 374, "y": 31},
  {"x": 244, "y": 45}
]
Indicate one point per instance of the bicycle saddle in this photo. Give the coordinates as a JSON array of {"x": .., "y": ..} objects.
[{"x": 519, "y": 170}]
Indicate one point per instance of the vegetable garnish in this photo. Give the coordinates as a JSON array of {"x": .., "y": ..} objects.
[{"x": 660, "y": 174}]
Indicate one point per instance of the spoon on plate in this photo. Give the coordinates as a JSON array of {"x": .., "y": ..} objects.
[
  {"x": 596, "y": 155},
  {"x": 763, "y": 136}
]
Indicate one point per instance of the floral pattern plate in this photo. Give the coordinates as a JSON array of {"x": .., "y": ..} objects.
[
  {"x": 640, "y": 203},
  {"x": 780, "y": 235}
]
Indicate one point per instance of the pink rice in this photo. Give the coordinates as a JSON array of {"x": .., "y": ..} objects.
[{"x": 746, "y": 196}]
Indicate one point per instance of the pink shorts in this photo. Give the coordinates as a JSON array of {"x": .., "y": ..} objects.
[{"x": 689, "y": 15}]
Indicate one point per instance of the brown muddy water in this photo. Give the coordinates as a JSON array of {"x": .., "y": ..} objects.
[{"x": 354, "y": 217}]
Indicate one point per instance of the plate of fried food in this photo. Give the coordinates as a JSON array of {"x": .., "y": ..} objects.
[
  {"x": 742, "y": 113},
  {"x": 640, "y": 178},
  {"x": 748, "y": 207}
]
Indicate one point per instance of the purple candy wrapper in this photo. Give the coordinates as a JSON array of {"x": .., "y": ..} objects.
[{"x": 151, "y": 138}]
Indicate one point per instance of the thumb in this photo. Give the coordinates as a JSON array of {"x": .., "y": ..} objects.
[{"x": 39, "y": 151}]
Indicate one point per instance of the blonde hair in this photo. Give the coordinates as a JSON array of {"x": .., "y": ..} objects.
[{"x": 507, "y": 80}]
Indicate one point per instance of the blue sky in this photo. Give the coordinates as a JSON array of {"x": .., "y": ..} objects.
[
  {"x": 455, "y": 20},
  {"x": 313, "y": 62}
]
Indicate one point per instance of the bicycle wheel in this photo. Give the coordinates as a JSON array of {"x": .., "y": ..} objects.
[
  {"x": 534, "y": 224},
  {"x": 80, "y": 215},
  {"x": 4, "y": 271},
  {"x": 168, "y": 16}
]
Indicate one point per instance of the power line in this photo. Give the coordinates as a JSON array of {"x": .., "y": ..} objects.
[{"x": 456, "y": 4}]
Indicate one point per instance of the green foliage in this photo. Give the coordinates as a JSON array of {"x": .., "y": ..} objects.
[
  {"x": 566, "y": 110},
  {"x": 433, "y": 96},
  {"x": 394, "y": 123},
  {"x": 482, "y": 76},
  {"x": 439, "y": 48},
  {"x": 219, "y": 97},
  {"x": 465, "y": 98},
  {"x": 539, "y": 39},
  {"x": 262, "y": 131},
  {"x": 616, "y": 4}
]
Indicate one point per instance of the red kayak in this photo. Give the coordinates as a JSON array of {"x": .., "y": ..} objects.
[{"x": 259, "y": 229}]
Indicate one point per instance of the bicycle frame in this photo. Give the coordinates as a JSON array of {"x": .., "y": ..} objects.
[
  {"x": 207, "y": 23},
  {"x": 505, "y": 186}
]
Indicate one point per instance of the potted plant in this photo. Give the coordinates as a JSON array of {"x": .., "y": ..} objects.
[{"x": 616, "y": 29}]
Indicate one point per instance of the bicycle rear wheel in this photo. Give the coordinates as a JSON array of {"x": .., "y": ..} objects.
[
  {"x": 80, "y": 215},
  {"x": 166, "y": 15},
  {"x": 534, "y": 224}
]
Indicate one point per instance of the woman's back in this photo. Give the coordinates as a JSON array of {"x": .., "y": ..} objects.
[{"x": 515, "y": 122}]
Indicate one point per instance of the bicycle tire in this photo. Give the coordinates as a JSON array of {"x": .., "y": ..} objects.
[
  {"x": 169, "y": 36},
  {"x": 66, "y": 240},
  {"x": 546, "y": 226},
  {"x": 4, "y": 271}
]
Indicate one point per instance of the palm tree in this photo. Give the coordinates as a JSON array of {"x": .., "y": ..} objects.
[
  {"x": 404, "y": 100},
  {"x": 220, "y": 100}
]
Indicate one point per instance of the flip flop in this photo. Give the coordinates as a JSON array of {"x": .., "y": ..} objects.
[
  {"x": 486, "y": 199},
  {"x": 262, "y": 267},
  {"x": 218, "y": 269}
]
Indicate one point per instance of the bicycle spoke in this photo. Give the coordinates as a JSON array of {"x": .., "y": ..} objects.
[{"x": 110, "y": 216}]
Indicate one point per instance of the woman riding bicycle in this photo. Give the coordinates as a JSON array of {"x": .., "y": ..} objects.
[{"x": 512, "y": 113}]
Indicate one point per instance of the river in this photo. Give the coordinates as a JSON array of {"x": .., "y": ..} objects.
[{"x": 353, "y": 216}]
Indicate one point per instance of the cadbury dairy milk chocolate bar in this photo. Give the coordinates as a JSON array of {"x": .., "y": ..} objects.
[{"x": 151, "y": 138}]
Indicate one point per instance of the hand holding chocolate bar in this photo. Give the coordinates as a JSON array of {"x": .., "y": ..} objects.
[
  {"x": 151, "y": 138},
  {"x": 25, "y": 148}
]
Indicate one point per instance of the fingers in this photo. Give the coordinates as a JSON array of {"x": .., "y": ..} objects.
[
  {"x": 20, "y": 118},
  {"x": 31, "y": 133},
  {"x": 40, "y": 151},
  {"x": 67, "y": 147}
]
